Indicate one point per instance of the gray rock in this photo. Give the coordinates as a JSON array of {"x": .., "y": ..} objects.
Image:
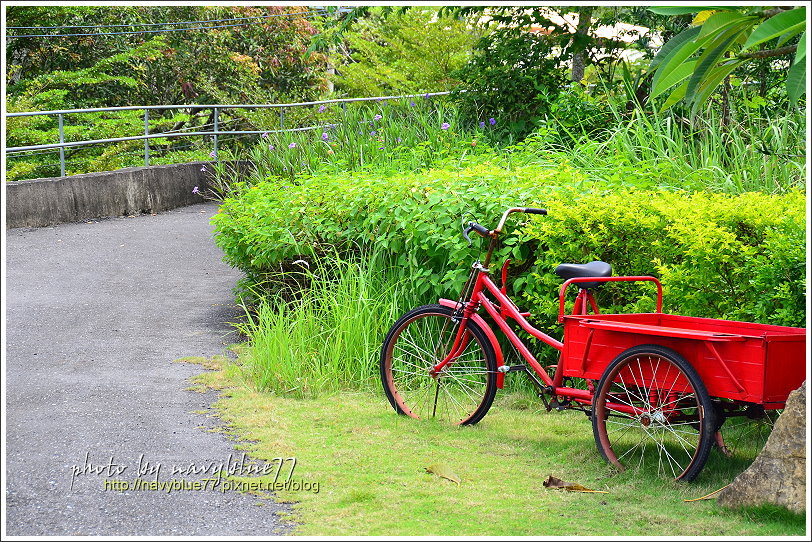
[{"x": 778, "y": 475}]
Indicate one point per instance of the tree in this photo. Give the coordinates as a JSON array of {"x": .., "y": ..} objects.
[
  {"x": 402, "y": 53},
  {"x": 692, "y": 64},
  {"x": 243, "y": 53},
  {"x": 581, "y": 35}
]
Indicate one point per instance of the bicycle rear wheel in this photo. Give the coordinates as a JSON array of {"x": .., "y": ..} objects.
[
  {"x": 652, "y": 411},
  {"x": 462, "y": 392}
]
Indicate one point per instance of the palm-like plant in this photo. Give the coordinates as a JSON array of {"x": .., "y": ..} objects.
[{"x": 693, "y": 63}]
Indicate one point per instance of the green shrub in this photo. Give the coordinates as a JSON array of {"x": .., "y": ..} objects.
[
  {"x": 720, "y": 256},
  {"x": 734, "y": 257},
  {"x": 513, "y": 77},
  {"x": 416, "y": 217}
]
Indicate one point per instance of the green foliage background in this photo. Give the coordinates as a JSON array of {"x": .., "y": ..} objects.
[
  {"x": 734, "y": 257},
  {"x": 262, "y": 61},
  {"x": 403, "y": 54}
]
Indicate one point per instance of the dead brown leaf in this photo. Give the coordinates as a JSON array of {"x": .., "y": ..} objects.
[
  {"x": 556, "y": 483},
  {"x": 443, "y": 471}
]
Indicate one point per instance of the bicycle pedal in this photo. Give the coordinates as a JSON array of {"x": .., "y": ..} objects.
[{"x": 554, "y": 404}]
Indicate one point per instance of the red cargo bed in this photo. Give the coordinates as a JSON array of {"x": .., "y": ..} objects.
[{"x": 743, "y": 361}]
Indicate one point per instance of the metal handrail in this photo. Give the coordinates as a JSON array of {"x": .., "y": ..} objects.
[
  {"x": 216, "y": 133},
  {"x": 222, "y": 106},
  {"x": 153, "y": 136}
]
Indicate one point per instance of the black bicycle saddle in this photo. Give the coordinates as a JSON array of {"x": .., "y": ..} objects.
[{"x": 591, "y": 269}]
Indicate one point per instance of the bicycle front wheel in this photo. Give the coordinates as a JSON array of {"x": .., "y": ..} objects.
[{"x": 464, "y": 389}]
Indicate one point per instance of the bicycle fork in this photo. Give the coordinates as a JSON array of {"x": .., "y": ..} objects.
[{"x": 461, "y": 339}]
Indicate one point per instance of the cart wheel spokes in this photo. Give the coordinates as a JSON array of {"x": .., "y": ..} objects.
[
  {"x": 650, "y": 412},
  {"x": 745, "y": 430}
]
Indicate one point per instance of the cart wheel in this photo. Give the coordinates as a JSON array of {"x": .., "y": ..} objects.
[
  {"x": 652, "y": 411},
  {"x": 463, "y": 391},
  {"x": 745, "y": 430}
]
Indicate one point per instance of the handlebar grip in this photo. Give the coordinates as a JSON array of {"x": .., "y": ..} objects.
[
  {"x": 534, "y": 211},
  {"x": 480, "y": 229},
  {"x": 473, "y": 226}
]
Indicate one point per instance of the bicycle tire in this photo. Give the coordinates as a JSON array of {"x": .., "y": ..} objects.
[
  {"x": 673, "y": 411},
  {"x": 418, "y": 341}
]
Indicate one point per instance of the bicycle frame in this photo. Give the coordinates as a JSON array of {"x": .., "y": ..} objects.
[{"x": 503, "y": 308}]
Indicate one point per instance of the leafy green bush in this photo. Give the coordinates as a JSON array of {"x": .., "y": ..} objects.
[
  {"x": 735, "y": 257},
  {"x": 513, "y": 78},
  {"x": 732, "y": 257},
  {"x": 577, "y": 114},
  {"x": 402, "y": 53}
]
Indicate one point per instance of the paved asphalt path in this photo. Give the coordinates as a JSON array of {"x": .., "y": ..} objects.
[{"x": 96, "y": 314}]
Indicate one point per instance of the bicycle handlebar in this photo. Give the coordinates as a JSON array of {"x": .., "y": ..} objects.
[
  {"x": 485, "y": 232},
  {"x": 479, "y": 228},
  {"x": 531, "y": 210}
]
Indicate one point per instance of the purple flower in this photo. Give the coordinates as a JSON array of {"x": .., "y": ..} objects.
[
  {"x": 265, "y": 135},
  {"x": 321, "y": 109},
  {"x": 482, "y": 124},
  {"x": 380, "y": 148},
  {"x": 377, "y": 117},
  {"x": 398, "y": 140},
  {"x": 213, "y": 154},
  {"x": 292, "y": 146},
  {"x": 492, "y": 121},
  {"x": 270, "y": 147},
  {"x": 372, "y": 133},
  {"x": 195, "y": 190},
  {"x": 412, "y": 104},
  {"x": 426, "y": 96},
  {"x": 445, "y": 126},
  {"x": 324, "y": 136},
  {"x": 384, "y": 103}
]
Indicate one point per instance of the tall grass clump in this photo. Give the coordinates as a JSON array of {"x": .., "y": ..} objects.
[
  {"x": 406, "y": 134},
  {"x": 751, "y": 151},
  {"x": 328, "y": 336}
]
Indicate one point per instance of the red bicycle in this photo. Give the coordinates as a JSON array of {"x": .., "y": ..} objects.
[{"x": 657, "y": 387}]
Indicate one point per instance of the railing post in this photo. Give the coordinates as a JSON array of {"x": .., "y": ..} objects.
[
  {"x": 216, "y": 123},
  {"x": 146, "y": 140},
  {"x": 62, "y": 149},
  {"x": 282, "y": 118}
]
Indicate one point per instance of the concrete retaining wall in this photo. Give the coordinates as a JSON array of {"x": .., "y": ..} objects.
[{"x": 45, "y": 202}]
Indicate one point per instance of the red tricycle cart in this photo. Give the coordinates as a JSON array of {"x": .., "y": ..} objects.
[{"x": 657, "y": 387}]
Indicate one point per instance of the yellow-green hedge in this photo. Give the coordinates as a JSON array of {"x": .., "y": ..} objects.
[{"x": 734, "y": 257}]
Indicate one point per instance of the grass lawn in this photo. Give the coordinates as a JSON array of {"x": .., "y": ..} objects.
[{"x": 371, "y": 468}]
